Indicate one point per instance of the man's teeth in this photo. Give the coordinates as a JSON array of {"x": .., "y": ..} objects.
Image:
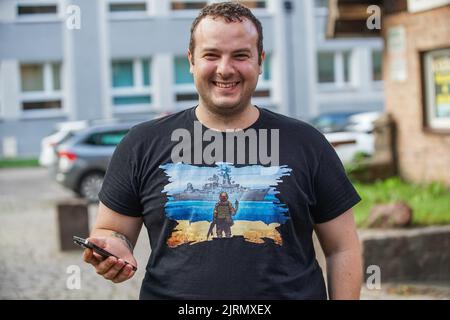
[{"x": 226, "y": 84}]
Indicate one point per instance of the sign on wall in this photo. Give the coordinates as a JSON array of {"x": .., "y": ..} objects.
[
  {"x": 422, "y": 5},
  {"x": 396, "y": 49},
  {"x": 436, "y": 68}
]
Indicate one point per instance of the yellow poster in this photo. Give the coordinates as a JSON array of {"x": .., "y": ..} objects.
[{"x": 441, "y": 79}]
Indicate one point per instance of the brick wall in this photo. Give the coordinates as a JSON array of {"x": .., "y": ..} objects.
[{"x": 423, "y": 156}]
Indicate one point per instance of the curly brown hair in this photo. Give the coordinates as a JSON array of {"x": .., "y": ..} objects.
[{"x": 231, "y": 12}]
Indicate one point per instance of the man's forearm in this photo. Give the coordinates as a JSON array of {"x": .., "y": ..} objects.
[{"x": 344, "y": 274}]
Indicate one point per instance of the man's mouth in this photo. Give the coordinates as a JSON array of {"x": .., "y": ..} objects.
[{"x": 225, "y": 85}]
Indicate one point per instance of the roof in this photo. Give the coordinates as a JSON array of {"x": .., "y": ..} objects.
[{"x": 348, "y": 18}]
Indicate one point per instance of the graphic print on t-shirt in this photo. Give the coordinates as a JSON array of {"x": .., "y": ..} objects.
[{"x": 224, "y": 201}]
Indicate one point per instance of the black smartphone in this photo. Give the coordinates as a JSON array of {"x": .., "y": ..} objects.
[{"x": 89, "y": 245}]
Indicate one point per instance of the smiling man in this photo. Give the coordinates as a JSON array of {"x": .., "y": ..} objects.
[{"x": 267, "y": 250}]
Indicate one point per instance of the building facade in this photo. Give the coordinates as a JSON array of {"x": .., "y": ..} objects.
[
  {"x": 418, "y": 89},
  {"x": 67, "y": 60},
  {"x": 416, "y": 76}
]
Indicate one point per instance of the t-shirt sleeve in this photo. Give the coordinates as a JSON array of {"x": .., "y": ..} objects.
[
  {"x": 120, "y": 191},
  {"x": 334, "y": 193}
]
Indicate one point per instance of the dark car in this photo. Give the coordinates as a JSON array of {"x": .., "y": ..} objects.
[
  {"x": 83, "y": 158},
  {"x": 332, "y": 122}
]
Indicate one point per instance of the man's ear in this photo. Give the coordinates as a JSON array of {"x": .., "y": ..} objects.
[
  {"x": 263, "y": 57},
  {"x": 191, "y": 61}
]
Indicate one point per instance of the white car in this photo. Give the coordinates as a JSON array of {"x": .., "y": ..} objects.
[
  {"x": 64, "y": 130},
  {"x": 357, "y": 138}
]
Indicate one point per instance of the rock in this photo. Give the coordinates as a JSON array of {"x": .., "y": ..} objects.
[{"x": 391, "y": 215}]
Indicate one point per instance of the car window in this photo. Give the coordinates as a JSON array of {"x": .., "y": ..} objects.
[{"x": 111, "y": 138}]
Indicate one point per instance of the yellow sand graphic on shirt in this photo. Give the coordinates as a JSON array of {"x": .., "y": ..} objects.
[{"x": 187, "y": 232}]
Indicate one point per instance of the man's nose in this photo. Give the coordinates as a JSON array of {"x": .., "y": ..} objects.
[{"x": 225, "y": 68}]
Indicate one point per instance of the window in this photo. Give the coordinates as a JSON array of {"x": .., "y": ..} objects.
[
  {"x": 263, "y": 90},
  {"x": 32, "y": 76},
  {"x": 254, "y": 4},
  {"x": 127, "y": 6},
  {"x": 184, "y": 81},
  {"x": 325, "y": 62},
  {"x": 188, "y": 4},
  {"x": 40, "y": 86},
  {"x": 131, "y": 83},
  {"x": 346, "y": 57},
  {"x": 195, "y": 5},
  {"x": 111, "y": 138},
  {"x": 436, "y": 73},
  {"x": 182, "y": 71},
  {"x": 36, "y": 9},
  {"x": 41, "y": 10},
  {"x": 377, "y": 66},
  {"x": 321, "y": 3},
  {"x": 334, "y": 68}
]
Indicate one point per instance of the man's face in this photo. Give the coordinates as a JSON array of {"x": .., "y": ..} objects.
[
  {"x": 225, "y": 64},
  {"x": 223, "y": 197}
]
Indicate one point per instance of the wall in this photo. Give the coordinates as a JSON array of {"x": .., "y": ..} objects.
[{"x": 423, "y": 156}]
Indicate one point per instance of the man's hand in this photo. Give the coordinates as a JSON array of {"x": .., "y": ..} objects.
[{"x": 111, "y": 268}]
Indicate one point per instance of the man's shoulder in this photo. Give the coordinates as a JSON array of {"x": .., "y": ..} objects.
[
  {"x": 292, "y": 125},
  {"x": 163, "y": 124}
]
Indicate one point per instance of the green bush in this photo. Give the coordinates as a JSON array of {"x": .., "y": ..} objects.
[{"x": 430, "y": 203}]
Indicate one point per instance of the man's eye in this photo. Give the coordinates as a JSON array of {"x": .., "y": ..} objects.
[
  {"x": 210, "y": 56},
  {"x": 242, "y": 57}
]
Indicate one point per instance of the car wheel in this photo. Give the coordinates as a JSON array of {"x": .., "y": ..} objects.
[{"x": 90, "y": 186}]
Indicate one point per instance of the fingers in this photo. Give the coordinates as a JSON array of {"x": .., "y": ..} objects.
[
  {"x": 115, "y": 270},
  {"x": 125, "y": 274},
  {"x": 111, "y": 268},
  {"x": 103, "y": 267},
  {"x": 90, "y": 257}
]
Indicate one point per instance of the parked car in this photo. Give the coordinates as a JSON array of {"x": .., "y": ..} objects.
[
  {"x": 355, "y": 137},
  {"x": 332, "y": 121},
  {"x": 64, "y": 130},
  {"x": 83, "y": 158}
]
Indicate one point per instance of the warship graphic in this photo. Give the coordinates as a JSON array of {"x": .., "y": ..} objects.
[{"x": 212, "y": 189}]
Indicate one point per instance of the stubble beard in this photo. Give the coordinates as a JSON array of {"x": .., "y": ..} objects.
[{"x": 225, "y": 111}]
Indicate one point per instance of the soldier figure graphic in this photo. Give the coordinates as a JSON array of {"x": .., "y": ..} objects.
[{"x": 223, "y": 212}]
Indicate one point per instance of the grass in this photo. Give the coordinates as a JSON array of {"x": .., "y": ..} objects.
[
  {"x": 19, "y": 163},
  {"x": 430, "y": 203}
]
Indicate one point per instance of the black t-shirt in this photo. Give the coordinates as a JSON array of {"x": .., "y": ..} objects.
[{"x": 262, "y": 246}]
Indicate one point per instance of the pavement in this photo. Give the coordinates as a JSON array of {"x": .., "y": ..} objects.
[{"x": 32, "y": 266}]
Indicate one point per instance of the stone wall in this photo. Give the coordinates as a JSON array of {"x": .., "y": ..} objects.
[{"x": 420, "y": 254}]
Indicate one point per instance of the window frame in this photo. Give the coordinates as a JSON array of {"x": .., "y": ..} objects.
[
  {"x": 190, "y": 13},
  {"x": 431, "y": 123},
  {"x": 43, "y": 17},
  {"x": 138, "y": 88},
  {"x": 183, "y": 88},
  {"x": 372, "y": 65},
  {"x": 339, "y": 82},
  {"x": 265, "y": 85},
  {"x": 127, "y": 15},
  {"x": 47, "y": 94}
]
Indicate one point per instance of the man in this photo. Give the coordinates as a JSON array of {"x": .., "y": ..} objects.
[
  {"x": 222, "y": 216},
  {"x": 304, "y": 188}
]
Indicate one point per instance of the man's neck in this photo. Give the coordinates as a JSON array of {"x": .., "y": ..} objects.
[{"x": 242, "y": 120}]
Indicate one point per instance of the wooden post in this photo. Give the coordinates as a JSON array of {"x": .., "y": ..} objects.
[{"x": 73, "y": 220}]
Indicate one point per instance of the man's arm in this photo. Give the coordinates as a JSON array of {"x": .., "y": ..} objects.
[
  {"x": 341, "y": 246},
  {"x": 118, "y": 234}
]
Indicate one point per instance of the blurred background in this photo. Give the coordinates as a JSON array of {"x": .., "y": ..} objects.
[{"x": 75, "y": 75}]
